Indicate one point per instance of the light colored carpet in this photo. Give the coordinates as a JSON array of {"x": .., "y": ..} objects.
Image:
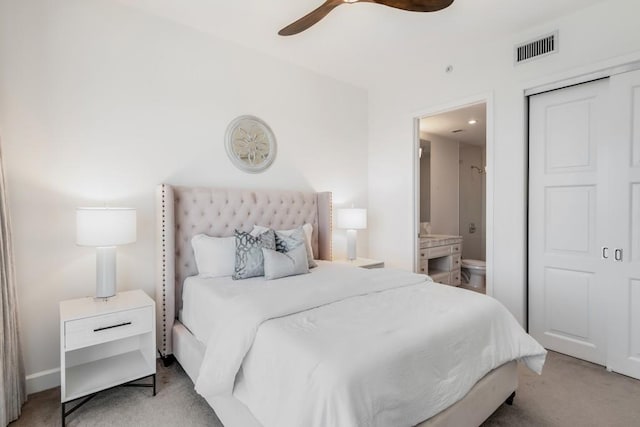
[
  {"x": 570, "y": 392},
  {"x": 175, "y": 404}
]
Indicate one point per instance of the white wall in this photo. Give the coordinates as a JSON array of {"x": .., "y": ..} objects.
[
  {"x": 445, "y": 185},
  {"x": 100, "y": 103},
  {"x": 589, "y": 39},
  {"x": 471, "y": 201}
]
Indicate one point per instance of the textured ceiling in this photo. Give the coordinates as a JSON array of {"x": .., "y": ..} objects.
[{"x": 358, "y": 43}]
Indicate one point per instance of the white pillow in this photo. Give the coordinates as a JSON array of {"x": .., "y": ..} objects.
[
  {"x": 308, "y": 231},
  {"x": 278, "y": 264},
  {"x": 215, "y": 256}
]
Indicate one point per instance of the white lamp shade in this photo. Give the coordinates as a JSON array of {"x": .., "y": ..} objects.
[
  {"x": 351, "y": 219},
  {"x": 105, "y": 226}
]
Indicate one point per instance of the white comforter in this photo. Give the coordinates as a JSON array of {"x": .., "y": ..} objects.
[{"x": 351, "y": 347}]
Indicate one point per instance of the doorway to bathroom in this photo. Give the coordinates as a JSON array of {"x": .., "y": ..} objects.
[{"x": 451, "y": 196}]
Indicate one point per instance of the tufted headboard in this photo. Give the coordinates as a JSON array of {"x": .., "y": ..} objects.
[{"x": 183, "y": 212}]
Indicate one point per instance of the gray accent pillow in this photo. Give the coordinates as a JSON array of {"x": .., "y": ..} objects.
[
  {"x": 249, "y": 257},
  {"x": 292, "y": 263}
]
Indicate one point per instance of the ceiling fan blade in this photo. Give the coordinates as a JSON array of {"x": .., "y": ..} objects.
[
  {"x": 315, "y": 16},
  {"x": 310, "y": 19},
  {"x": 414, "y": 5}
]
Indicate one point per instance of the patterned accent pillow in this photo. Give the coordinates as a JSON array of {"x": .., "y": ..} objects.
[
  {"x": 288, "y": 241},
  {"x": 308, "y": 231},
  {"x": 249, "y": 258}
]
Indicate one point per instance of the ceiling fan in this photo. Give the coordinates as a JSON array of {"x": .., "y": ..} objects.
[{"x": 314, "y": 17}]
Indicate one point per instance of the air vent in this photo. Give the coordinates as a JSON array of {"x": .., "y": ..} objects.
[{"x": 543, "y": 46}]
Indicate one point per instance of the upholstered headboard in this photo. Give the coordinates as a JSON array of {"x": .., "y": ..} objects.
[{"x": 183, "y": 212}]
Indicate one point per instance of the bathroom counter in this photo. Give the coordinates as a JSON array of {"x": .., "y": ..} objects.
[
  {"x": 431, "y": 240},
  {"x": 440, "y": 258}
]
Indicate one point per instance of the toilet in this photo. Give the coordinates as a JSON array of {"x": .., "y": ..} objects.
[{"x": 475, "y": 270}]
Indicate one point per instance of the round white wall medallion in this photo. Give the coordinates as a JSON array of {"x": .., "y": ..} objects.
[{"x": 250, "y": 144}]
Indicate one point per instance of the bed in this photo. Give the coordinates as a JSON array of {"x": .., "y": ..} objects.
[{"x": 238, "y": 371}]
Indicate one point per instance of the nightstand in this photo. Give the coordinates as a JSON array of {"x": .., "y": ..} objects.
[
  {"x": 105, "y": 343},
  {"x": 362, "y": 263}
]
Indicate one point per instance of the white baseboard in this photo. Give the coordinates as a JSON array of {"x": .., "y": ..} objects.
[{"x": 43, "y": 380}]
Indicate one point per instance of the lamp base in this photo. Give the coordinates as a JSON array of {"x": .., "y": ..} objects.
[
  {"x": 351, "y": 244},
  {"x": 105, "y": 272}
]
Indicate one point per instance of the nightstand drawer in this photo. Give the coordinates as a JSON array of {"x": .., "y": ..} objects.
[{"x": 99, "y": 329}]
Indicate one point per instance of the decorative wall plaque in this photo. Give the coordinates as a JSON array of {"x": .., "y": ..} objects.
[{"x": 250, "y": 144}]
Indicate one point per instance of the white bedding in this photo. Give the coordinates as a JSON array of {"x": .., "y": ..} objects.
[
  {"x": 348, "y": 347},
  {"x": 203, "y": 297}
]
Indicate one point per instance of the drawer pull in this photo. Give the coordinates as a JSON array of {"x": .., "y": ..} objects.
[{"x": 111, "y": 327}]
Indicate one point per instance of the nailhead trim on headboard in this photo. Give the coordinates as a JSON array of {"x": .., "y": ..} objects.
[
  {"x": 164, "y": 271},
  {"x": 182, "y": 212}
]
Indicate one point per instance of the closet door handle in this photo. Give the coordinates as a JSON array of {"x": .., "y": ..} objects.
[
  {"x": 605, "y": 252},
  {"x": 618, "y": 255}
]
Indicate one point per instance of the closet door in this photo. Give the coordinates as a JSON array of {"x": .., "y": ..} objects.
[
  {"x": 624, "y": 286},
  {"x": 569, "y": 220}
]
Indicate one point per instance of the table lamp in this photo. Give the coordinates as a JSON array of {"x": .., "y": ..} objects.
[
  {"x": 105, "y": 228},
  {"x": 351, "y": 219}
]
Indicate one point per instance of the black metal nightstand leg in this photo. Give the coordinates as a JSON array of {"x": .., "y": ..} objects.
[{"x": 66, "y": 413}]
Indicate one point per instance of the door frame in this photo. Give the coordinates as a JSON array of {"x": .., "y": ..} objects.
[
  {"x": 486, "y": 98},
  {"x": 579, "y": 78}
]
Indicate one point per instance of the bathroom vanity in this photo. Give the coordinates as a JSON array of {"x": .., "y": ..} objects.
[{"x": 440, "y": 258}]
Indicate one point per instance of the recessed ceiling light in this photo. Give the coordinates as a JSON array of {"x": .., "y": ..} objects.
[{"x": 473, "y": 122}]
